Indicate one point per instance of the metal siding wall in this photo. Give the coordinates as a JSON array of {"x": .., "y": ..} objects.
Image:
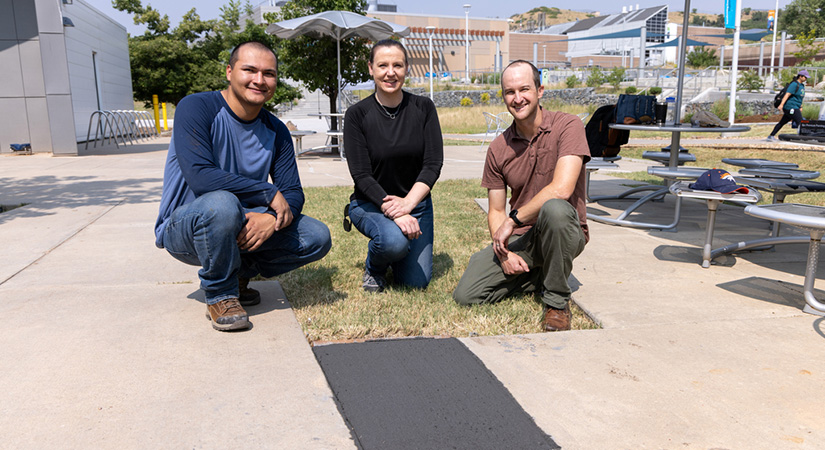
[
  {"x": 95, "y": 32},
  {"x": 19, "y": 26}
]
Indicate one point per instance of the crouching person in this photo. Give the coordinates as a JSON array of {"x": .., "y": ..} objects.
[
  {"x": 541, "y": 159},
  {"x": 232, "y": 198}
]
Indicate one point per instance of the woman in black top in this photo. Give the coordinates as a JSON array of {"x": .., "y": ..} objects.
[{"x": 394, "y": 154}]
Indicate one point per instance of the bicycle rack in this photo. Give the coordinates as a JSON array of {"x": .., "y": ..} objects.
[{"x": 123, "y": 124}]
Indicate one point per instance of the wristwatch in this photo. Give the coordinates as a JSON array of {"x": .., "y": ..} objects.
[{"x": 514, "y": 216}]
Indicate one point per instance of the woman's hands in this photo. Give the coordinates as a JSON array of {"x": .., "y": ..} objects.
[
  {"x": 409, "y": 226},
  {"x": 395, "y": 207}
]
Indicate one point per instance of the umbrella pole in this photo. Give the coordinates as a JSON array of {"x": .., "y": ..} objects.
[
  {"x": 682, "y": 50},
  {"x": 338, "y": 99},
  {"x": 676, "y": 137}
]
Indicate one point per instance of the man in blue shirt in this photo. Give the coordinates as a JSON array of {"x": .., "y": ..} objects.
[{"x": 232, "y": 197}]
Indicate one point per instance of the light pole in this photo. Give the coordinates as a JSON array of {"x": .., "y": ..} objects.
[
  {"x": 467, "y": 40},
  {"x": 544, "y": 58},
  {"x": 430, "y": 30},
  {"x": 773, "y": 44}
]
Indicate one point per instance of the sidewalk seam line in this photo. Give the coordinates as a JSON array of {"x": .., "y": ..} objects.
[{"x": 106, "y": 211}]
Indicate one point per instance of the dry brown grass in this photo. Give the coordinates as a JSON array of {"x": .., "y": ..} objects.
[
  {"x": 331, "y": 305},
  {"x": 470, "y": 119}
]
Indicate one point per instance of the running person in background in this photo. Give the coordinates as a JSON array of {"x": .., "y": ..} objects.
[{"x": 791, "y": 105}]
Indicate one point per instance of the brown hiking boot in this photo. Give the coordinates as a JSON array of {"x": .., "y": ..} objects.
[
  {"x": 248, "y": 296},
  {"x": 556, "y": 319},
  {"x": 228, "y": 315}
]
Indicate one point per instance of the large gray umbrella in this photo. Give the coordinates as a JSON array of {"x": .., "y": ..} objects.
[{"x": 338, "y": 25}]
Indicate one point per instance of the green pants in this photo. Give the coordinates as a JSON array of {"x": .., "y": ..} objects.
[{"x": 548, "y": 249}]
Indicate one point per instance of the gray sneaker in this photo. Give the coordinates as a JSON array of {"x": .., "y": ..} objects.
[
  {"x": 373, "y": 283},
  {"x": 772, "y": 139}
]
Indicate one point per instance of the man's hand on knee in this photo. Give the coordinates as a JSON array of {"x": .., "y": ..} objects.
[
  {"x": 259, "y": 227},
  {"x": 513, "y": 264},
  {"x": 283, "y": 217}
]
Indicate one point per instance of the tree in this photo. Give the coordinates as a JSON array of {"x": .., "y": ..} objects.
[
  {"x": 616, "y": 76},
  {"x": 802, "y": 16},
  {"x": 700, "y": 57},
  {"x": 596, "y": 78},
  {"x": 749, "y": 80},
  {"x": 173, "y": 63},
  {"x": 314, "y": 61},
  {"x": 808, "y": 48}
]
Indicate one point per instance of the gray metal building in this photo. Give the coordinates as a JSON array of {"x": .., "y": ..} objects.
[{"x": 62, "y": 60}]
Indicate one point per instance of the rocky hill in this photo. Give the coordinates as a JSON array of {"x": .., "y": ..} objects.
[{"x": 552, "y": 16}]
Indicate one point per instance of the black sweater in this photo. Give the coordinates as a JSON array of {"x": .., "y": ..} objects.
[{"x": 388, "y": 156}]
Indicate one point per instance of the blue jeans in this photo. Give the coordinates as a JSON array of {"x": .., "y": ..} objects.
[
  {"x": 411, "y": 259},
  {"x": 204, "y": 232}
]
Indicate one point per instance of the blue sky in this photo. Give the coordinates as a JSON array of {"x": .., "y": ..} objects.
[{"x": 210, "y": 9}]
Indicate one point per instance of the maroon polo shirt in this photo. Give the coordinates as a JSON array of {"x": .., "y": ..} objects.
[{"x": 527, "y": 166}]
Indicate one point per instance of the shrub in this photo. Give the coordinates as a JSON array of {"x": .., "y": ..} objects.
[
  {"x": 571, "y": 81},
  {"x": 655, "y": 90},
  {"x": 700, "y": 57},
  {"x": 498, "y": 94},
  {"x": 750, "y": 81},
  {"x": 485, "y": 98},
  {"x": 630, "y": 90},
  {"x": 688, "y": 117},
  {"x": 720, "y": 108},
  {"x": 596, "y": 78},
  {"x": 466, "y": 101},
  {"x": 616, "y": 76},
  {"x": 810, "y": 112}
]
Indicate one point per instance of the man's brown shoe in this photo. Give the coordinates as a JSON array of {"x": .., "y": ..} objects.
[
  {"x": 556, "y": 319},
  {"x": 228, "y": 315},
  {"x": 248, "y": 296}
]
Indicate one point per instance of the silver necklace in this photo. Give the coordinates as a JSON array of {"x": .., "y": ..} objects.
[{"x": 392, "y": 116}]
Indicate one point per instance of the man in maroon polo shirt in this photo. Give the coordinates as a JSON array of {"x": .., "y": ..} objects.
[{"x": 541, "y": 158}]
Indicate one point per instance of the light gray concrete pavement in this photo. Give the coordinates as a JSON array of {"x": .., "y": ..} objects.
[{"x": 108, "y": 347}]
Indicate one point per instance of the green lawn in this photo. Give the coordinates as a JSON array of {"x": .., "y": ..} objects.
[{"x": 330, "y": 305}]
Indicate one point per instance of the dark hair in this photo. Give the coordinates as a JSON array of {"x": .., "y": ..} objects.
[
  {"x": 233, "y": 57},
  {"x": 388, "y": 43},
  {"x": 536, "y": 74}
]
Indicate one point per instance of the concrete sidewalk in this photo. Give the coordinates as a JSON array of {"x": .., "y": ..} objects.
[{"x": 108, "y": 346}]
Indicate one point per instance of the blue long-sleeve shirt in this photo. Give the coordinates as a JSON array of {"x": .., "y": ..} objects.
[{"x": 212, "y": 149}]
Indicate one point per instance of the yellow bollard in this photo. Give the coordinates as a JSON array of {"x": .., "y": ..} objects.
[
  {"x": 157, "y": 115},
  {"x": 165, "y": 123}
]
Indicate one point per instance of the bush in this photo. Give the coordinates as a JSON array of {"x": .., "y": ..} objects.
[
  {"x": 571, "y": 81},
  {"x": 466, "y": 101},
  {"x": 700, "y": 57},
  {"x": 720, "y": 108},
  {"x": 630, "y": 90},
  {"x": 786, "y": 76},
  {"x": 485, "y": 98},
  {"x": 655, "y": 90},
  {"x": 810, "y": 112},
  {"x": 498, "y": 94},
  {"x": 616, "y": 77},
  {"x": 596, "y": 78},
  {"x": 750, "y": 81}
]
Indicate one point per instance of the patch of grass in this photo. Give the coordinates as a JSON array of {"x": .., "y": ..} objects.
[
  {"x": 330, "y": 305},
  {"x": 470, "y": 120},
  {"x": 463, "y": 142}
]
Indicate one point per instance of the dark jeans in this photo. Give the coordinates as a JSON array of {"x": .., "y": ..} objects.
[
  {"x": 411, "y": 259},
  {"x": 548, "y": 249},
  {"x": 787, "y": 117},
  {"x": 204, "y": 232}
]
